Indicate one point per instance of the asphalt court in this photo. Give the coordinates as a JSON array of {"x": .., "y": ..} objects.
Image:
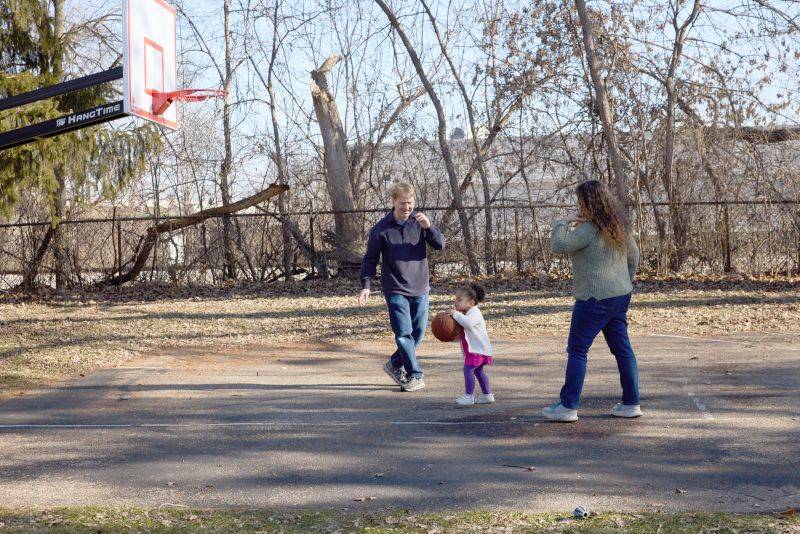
[{"x": 323, "y": 426}]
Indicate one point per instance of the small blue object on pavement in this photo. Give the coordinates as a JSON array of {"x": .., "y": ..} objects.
[{"x": 581, "y": 512}]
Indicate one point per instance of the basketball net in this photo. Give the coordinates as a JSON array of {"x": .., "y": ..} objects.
[{"x": 162, "y": 101}]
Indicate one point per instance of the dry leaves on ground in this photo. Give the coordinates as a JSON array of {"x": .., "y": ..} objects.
[{"x": 50, "y": 334}]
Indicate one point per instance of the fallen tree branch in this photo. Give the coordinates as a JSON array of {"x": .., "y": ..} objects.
[
  {"x": 149, "y": 240},
  {"x": 758, "y": 136}
]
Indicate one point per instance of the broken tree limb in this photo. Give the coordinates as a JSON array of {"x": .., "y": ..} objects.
[
  {"x": 148, "y": 241},
  {"x": 758, "y": 136}
]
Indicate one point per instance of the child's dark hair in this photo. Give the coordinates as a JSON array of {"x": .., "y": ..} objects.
[{"x": 474, "y": 292}]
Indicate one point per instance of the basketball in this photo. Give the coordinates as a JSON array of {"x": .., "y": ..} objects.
[{"x": 445, "y": 328}]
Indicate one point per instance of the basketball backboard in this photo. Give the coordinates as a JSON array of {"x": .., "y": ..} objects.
[{"x": 149, "y": 58}]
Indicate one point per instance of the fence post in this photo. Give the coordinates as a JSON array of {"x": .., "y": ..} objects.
[
  {"x": 113, "y": 241},
  {"x": 517, "y": 249},
  {"x": 797, "y": 231},
  {"x": 311, "y": 218},
  {"x": 119, "y": 247}
]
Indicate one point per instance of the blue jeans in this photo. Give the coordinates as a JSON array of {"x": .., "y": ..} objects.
[
  {"x": 409, "y": 318},
  {"x": 589, "y": 318}
]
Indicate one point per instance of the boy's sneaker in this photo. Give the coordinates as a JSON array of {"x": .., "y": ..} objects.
[
  {"x": 398, "y": 374},
  {"x": 486, "y": 398},
  {"x": 412, "y": 384},
  {"x": 466, "y": 400},
  {"x": 557, "y": 412},
  {"x": 626, "y": 410}
]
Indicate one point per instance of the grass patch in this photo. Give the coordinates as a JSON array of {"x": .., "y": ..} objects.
[
  {"x": 13, "y": 381},
  {"x": 97, "y": 520}
]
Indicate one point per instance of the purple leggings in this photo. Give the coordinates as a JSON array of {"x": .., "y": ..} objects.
[{"x": 472, "y": 372}]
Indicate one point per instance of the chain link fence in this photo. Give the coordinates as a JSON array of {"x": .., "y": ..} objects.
[{"x": 747, "y": 237}]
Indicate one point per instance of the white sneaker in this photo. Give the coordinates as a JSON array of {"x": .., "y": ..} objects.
[
  {"x": 487, "y": 398},
  {"x": 557, "y": 412},
  {"x": 466, "y": 400},
  {"x": 626, "y": 410}
]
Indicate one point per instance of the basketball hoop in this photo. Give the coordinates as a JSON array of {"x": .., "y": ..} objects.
[{"x": 161, "y": 101}]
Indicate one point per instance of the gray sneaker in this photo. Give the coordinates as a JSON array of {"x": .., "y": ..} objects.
[
  {"x": 466, "y": 400},
  {"x": 486, "y": 398},
  {"x": 558, "y": 412},
  {"x": 398, "y": 374},
  {"x": 412, "y": 384},
  {"x": 626, "y": 410}
]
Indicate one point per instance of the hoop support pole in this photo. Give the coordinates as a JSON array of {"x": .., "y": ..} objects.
[{"x": 61, "y": 88}]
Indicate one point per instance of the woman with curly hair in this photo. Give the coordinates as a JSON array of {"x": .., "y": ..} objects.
[{"x": 604, "y": 255}]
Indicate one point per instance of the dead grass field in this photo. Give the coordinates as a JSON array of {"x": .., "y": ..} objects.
[
  {"x": 92, "y": 520},
  {"x": 47, "y": 336}
]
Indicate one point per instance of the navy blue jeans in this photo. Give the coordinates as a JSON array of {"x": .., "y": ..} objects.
[
  {"x": 589, "y": 318},
  {"x": 409, "y": 319}
]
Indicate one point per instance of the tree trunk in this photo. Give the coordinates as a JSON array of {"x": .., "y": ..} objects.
[
  {"x": 286, "y": 230},
  {"x": 677, "y": 219},
  {"x": 673, "y": 194},
  {"x": 58, "y": 18},
  {"x": 229, "y": 271},
  {"x": 601, "y": 95},
  {"x": 797, "y": 232},
  {"x": 474, "y": 267},
  {"x": 347, "y": 234},
  {"x": 283, "y": 175},
  {"x": 32, "y": 269},
  {"x": 59, "y": 195},
  {"x": 59, "y": 258}
]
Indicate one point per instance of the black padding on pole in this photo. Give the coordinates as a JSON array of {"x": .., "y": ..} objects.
[{"x": 67, "y": 123}]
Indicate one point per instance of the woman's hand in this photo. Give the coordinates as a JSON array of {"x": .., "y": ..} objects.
[{"x": 575, "y": 216}]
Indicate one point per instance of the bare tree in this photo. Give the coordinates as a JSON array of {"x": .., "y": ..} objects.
[
  {"x": 60, "y": 193},
  {"x": 441, "y": 132},
  {"x": 227, "y": 161},
  {"x": 602, "y": 102},
  {"x": 488, "y": 227},
  {"x": 278, "y": 156},
  {"x": 678, "y": 223}
]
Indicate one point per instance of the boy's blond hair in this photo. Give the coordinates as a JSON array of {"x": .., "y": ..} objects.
[{"x": 402, "y": 188}]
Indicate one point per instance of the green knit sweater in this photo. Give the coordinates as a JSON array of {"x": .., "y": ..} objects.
[{"x": 598, "y": 269}]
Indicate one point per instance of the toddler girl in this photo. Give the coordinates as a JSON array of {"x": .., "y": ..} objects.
[{"x": 474, "y": 344}]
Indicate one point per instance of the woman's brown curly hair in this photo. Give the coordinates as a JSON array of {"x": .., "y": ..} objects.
[{"x": 600, "y": 206}]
